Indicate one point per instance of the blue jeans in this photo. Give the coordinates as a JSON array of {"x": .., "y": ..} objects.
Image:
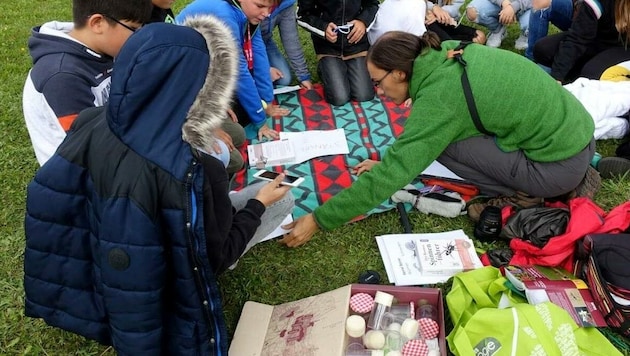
[
  {"x": 287, "y": 27},
  {"x": 344, "y": 80},
  {"x": 276, "y": 60},
  {"x": 488, "y": 15},
  {"x": 559, "y": 13}
]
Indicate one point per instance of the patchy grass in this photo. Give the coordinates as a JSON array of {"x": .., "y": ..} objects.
[{"x": 270, "y": 273}]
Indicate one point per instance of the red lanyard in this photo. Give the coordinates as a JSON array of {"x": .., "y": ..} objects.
[{"x": 247, "y": 49}]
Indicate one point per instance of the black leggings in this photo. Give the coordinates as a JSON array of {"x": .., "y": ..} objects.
[
  {"x": 448, "y": 32},
  {"x": 591, "y": 65}
]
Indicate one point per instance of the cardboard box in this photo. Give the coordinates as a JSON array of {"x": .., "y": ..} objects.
[{"x": 315, "y": 326}]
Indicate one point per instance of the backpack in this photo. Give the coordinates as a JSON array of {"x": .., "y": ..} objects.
[{"x": 604, "y": 264}]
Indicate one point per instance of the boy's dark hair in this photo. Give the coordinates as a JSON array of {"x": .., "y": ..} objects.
[{"x": 131, "y": 10}]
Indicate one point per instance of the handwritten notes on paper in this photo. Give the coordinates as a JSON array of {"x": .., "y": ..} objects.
[{"x": 315, "y": 143}]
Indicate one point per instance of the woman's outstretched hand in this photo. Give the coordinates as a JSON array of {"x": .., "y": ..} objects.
[{"x": 302, "y": 230}]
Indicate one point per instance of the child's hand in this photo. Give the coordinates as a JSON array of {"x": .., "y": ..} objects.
[
  {"x": 357, "y": 32},
  {"x": 306, "y": 84},
  {"x": 232, "y": 115},
  {"x": 429, "y": 18},
  {"x": 226, "y": 138},
  {"x": 442, "y": 16},
  {"x": 272, "y": 191},
  {"x": 331, "y": 34},
  {"x": 275, "y": 73},
  {"x": 276, "y": 110},
  {"x": 267, "y": 132},
  {"x": 507, "y": 15}
]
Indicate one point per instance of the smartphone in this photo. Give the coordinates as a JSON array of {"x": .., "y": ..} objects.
[{"x": 292, "y": 181}]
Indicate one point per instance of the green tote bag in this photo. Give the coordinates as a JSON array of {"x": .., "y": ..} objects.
[{"x": 481, "y": 328}]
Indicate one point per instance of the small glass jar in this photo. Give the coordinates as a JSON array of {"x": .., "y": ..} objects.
[{"x": 382, "y": 305}]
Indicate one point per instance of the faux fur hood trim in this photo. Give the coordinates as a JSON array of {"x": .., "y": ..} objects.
[{"x": 210, "y": 107}]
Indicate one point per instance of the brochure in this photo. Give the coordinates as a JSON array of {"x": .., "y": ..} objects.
[
  {"x": 400, "y": 256},
  {"x": 547, "y": 284}
]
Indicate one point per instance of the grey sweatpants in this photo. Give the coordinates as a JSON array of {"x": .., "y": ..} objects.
[
  {"x": 480, "y": 161},
  {"x": 271, "y": 218}
]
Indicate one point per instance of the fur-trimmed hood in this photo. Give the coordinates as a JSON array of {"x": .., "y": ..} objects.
[
  {"x": 213, "y": 100},
  {"x": 171, "y": 87}
]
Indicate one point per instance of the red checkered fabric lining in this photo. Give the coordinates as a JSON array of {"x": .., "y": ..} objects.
[
  {"x": 429, "y": 328},
  {"x": 415, "y": 348},
  {"x": 361, "y": 303}
]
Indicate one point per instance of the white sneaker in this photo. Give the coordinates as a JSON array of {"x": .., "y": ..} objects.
[
  {"x": 521, "y": 42},
  {"x": 495, "y": 38}
]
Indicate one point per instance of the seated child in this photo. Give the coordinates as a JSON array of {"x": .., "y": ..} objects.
[
  {"x": 283, "y": 17},
  {"x": 72, "y": 65},
  {"x": 496, "y": 15},
  {"x": 338, "y": 35}
]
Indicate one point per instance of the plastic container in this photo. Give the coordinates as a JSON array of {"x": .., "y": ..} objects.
[
  {"x": 382, "y": 305},
  {"x": 374, "y": 339},
  {"x": 426, "y": 310},
  {"x": 404, "y": 310},
  {"x": 355, "y": 326},
  {"x": 357, "y": 349}
]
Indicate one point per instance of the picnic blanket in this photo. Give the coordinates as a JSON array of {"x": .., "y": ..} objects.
[{"x": 370, "y": 127}]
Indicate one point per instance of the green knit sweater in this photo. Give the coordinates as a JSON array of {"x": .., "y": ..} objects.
[{"x": 520, "y": 103}]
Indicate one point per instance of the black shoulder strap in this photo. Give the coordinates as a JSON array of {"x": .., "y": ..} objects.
[{"x": 470, "y": 99}]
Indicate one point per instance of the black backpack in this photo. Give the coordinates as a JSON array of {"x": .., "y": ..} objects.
[{"x": 604, "y": 264}]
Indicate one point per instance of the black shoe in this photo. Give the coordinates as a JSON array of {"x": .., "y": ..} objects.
[{"x": 610, "y": 167}]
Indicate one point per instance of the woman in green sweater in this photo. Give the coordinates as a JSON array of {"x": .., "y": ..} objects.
[{"x": 542, "y": 140}]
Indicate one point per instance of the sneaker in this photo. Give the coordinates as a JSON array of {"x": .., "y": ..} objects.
[
  {"x": 495, "y": 38},
  {"x": 521, "y": 42},
  {"x": 610, "y": 167},
  {"x": 520, "y": 201}
]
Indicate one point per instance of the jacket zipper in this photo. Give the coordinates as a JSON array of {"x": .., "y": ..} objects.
[{"x": 196, "y": 263}]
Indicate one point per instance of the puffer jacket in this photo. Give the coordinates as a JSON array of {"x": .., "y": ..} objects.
[{"x": 115, "y": 244}]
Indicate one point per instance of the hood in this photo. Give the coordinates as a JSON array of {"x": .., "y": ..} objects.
[
  {"x": 157, "y": 77},
  {"x": 209, "y": 109},
  {"x": 53, "y": 37}
]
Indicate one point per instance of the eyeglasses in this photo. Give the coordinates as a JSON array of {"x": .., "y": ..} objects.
[
  {"x": 377, "y": 83},
  {"x": 132, "y": 29}
]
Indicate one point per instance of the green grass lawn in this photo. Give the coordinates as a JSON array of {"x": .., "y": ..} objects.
[{"x": 270, "y": 273}]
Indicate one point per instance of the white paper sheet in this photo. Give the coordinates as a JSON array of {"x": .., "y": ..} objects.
[
  {"x": 287, "y": 89},
  {"x": 279, "y": 231},
  {"x": 437, "y": 169},
  {"x": 315, "y": 143}
]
